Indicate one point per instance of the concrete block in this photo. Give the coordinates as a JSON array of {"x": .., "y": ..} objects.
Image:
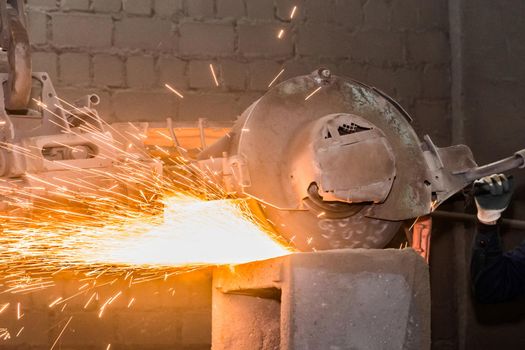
[
  {"x": 50, "y": 4},
  {"x": 219, "y": 107},
  {"x": 196, "y": 327},
  {"x": 260, "y": 9},
  {"x": 108, "y": 70},
  {"x": 167, "y": 8},
  {"x": 353, "y": 70},
  {"x": 74, "y": 68},
  {"x": 106, "y": 5},
  {"x": 201, "y": 76},
  {"x": 319, "y": 11},
  {"x": 233, "y": 74},
  {"x": 376, "y": 15},
  {"x": 200, "y": 8},
  {"x": 434, "y": 14},
  {"x": 155, "y": 328},
  {"x": 138, "y": 7},
  {"x": 301, "y": 66},
  {"x": 46, "y": 62},
  {"x": 261, "y": 74},
  {"x": 429, "y": 47},
  {"x": 206, "y": 39},
  {"x": 283, "y": 9},
  {"x": 230, "y": 8},
  {"x": 172, "y": 71},
  {"x": 140, "y": 72},
  {"x": 79, "y": 30},
  {"x": 80, "y": 5},
  {"x": 323, "y": 40},
  {"x": 37, "y": 26},
  {"x": 433, "y": 118},
  {"x": 145, "y": 33},
  {"x": 349, "y": 13},
  {"x": 436, "y": 83},
  {"x": 142, "y": 105},
  {"x": 261, "y": 40},
  {"x": 377, "y": 47},
  {"x": 404, "y": 14},
  {"x": 341, "y": 299}
]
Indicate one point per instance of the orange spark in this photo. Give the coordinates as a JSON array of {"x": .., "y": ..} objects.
[
  {"x": 173, "y": 90},
  {"x": 62, "y": 332},
  {"x": 214, "y": 75},
  {"x": 280, "y": 34},
  {"x": 276, "y": 77},
  {"x": 292, "y": 14},
  {"x": 313, "y": 93}
]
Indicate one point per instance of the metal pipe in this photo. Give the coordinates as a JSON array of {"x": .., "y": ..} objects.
[{"x": 441, "y": 214}]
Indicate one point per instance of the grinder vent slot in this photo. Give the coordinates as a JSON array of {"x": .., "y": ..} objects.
[{"x": 353, "y": 128}]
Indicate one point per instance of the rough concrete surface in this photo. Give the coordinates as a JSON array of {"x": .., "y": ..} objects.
[{"x": 342, "y": 299}]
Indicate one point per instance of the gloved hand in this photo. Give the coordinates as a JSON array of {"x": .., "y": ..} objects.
[{"x": 492, "y": 194}]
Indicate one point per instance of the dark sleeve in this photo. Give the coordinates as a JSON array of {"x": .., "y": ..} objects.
[{"x": 496, "y": 276}]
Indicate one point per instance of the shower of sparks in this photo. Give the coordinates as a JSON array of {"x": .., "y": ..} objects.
[
  {"x": 169, "y": 87},
  {"x": 276, "y": 78},
  {"x": 292, "y": 14},
  {"x": 214, "y": 75},
  {"x": 280, "y": 34},
  {"x": 108, "y": 347},
  {"x": 19, "y": 332},
  {"x": 313, "y": 93},
  {"x": 60, "y": 334}
]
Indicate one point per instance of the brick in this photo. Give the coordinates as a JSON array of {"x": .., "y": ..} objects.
[
  {"x": 376, "y": 14},
  {"x": 108, "y": 70},
  {"x": 106, "y": 5},
  {"x": 261, "y": 74},
  {"x": 74, "y": 68},
  {"x": 230, "y": 8},
  {"x": 137, "y": 7},
  {"x": 436, "y": 83},
  {"x": 206, "y": 39},
  {"x": 261, "y": 39},
  {"x": 141, "y": 72},
  {"x": 377, "y": 46},
  {"x": 37, "y": 25},
  {"x": 200, "y": 74},
  {"x": 145, "y": 33},
  {"x": 81, "y": 5},
  {"x": 167, "y": 8},
  {"x": 349, "y": 13},
  {"x": 233, "y": 75},
  {"x": 221, "y": 107},
  {"x": 323, "y": 40},
  {"x": 142, "y": 105},
  {"x": 429, "y": 47},
  {"x": 260, "y": 9},
  {"x": 74, "y": 30},
  {"x": 42, "y": 3},
  {"x": 172, "y": 71},
  {"x": 200, "y": 8}
]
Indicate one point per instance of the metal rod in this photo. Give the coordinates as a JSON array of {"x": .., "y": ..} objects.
[
  {"x": 441, "y": 214},
  {"x": 516, "y": 161}
]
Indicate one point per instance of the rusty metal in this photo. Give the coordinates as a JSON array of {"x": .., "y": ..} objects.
[{"x": 355, "y": 147}]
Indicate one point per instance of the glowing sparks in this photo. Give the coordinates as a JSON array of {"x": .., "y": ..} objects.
[
  {"x": 276, "y": 77},
  {"x": 280, "y": 35},
  {"x": 173, "y": 90},
  {"x": 55, "y": 302},
  {"x": 4, "y": 307},
  {"x": 19, "y": 332},
  {"x": 108, "y": 347},
  {"x": 19, "y": 313},
  {"x": 313, "y": 93},
  {"x": 61, "y": 332},
  {"x": 292, "y": 14},
  {"x": 131, "y": 302},
  {"x": 214, "y": 75}
]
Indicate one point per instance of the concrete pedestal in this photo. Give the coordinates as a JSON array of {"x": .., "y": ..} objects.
[{"x": 333, "y": 300}]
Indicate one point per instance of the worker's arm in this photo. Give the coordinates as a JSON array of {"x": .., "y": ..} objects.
[{"x": 496, "y": 276}]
